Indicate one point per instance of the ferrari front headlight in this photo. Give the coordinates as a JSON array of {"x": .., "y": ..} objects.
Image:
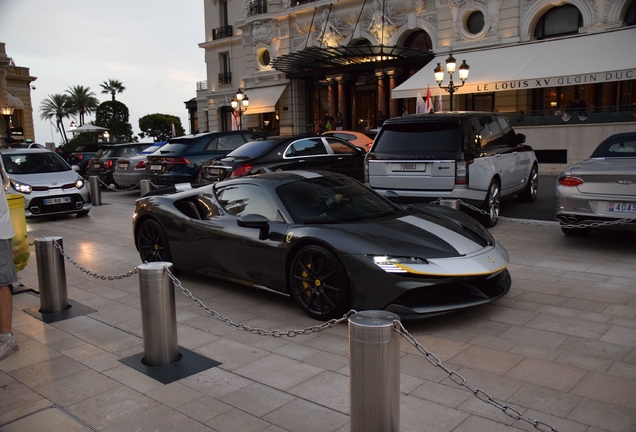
[{"x": 393, "y": 264}]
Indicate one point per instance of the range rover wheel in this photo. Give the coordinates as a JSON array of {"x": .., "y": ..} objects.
[
  {"x": 491, "y": 205},
  {"x": 529, "y": 193}
]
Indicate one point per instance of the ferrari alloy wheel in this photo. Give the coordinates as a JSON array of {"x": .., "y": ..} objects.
[
  {"x": 529, "y": 193},
  {"x": 491, "y": 205},
  {"x": 152, "y": 243},
  {"x": 319, "y": 283}
]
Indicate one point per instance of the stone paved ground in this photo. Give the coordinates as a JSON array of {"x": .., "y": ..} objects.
[{"x": 561, "y": 347}]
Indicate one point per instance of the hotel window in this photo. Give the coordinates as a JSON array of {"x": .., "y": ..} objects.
[
  {"x": 559, "y": 21},
  {"x": 630, "y": 16},
  {"x": 225, "y": 75},
  {"x": 223, "y": 12}
]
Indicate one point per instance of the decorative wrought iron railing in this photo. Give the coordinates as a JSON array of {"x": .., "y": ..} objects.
[
  {"x": 257, "y": 7},
  {"x": 222, "y": 32},
  {"x": 225, "y": 78}
]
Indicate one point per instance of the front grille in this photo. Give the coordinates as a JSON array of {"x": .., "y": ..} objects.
[
  {"x": 456, "y": 293},
  {"x": 37, "y": 207}
]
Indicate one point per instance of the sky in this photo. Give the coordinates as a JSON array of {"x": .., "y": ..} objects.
[{"x": 151, "y": 46}]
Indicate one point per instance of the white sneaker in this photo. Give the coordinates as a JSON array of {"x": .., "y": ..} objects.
[{"x": 8, "y": 347}]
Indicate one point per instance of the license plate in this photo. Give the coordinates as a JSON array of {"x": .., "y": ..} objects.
[
  {"x": 96, "y": 165},
  {"x": 60, "y": 200},
  {"x": 155, "y": 167},
  {"x": 214, "y": 171},
  {"x": 409, "y": 166},
  {"x": 621, "y": 207},
  {"x": 123, "y": 165}
]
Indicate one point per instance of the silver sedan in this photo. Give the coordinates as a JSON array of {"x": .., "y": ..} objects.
[{"x": 600, "y": 189}]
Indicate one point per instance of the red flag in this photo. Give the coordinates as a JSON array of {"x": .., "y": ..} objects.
[
  {"x": 55, "y": 127},
  {"x": 174, "y": 133},
  {"x": 428, "y": 106}
]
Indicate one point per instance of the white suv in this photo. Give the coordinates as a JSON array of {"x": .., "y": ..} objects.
[{"x": 472, "y": 156}]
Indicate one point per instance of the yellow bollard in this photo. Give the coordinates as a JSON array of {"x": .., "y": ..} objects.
[{"x": 21, "y": 252}]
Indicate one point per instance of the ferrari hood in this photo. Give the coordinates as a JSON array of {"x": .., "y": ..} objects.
[{"x": 423, "y": 235}]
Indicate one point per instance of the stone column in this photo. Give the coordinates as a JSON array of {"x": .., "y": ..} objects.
[
  {"x": 331, "y": 96},
  {"x": 393, "y": 104},
  {"x": 380, "y": 73},
  {"x": 342, "y": 100}
]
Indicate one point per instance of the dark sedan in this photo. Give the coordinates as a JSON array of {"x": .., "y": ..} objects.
[
  {"x": 326, "y": 240},
  {"x": 288, "y": 153},
  {"x": 179, "y": 160},
  {"x": 103, "y": 164}
]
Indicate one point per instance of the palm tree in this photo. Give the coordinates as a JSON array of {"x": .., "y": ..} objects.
[
  {"x": 56, "y": 106},
  {"x": 82, "y": 101},
  {"x": 112, "y": 87}
]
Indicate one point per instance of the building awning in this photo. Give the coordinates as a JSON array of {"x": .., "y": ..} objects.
[
  {"x": 263, "y": 99},
  {"x": 577, "y": 60},
  {"x": 321, "y": 61}
]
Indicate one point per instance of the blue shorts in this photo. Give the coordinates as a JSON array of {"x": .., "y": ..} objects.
[{"x": 8, "y": 275}]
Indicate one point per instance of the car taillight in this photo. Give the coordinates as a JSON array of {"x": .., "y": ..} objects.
[
  {"x": 461, "y": 171},
  {"x": 570, "y": 181},
  {"x": 140, "y": 165},
  {"x": 108, "y": 164},
  {"x": 79, "y": 156},
  {"x": 241, "y": 170},
  {"x": 176, "y": 161}
]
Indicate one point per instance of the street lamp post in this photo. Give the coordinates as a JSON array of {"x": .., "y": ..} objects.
[
  {"x": 450, "y": 67},
  {"x": 239, "y": 104}
]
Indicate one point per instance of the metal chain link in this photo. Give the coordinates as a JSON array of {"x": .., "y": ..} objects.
[
  {"x": 461, "y": 381},
  {"x": 258, "y": 331},
  {"x": 115, "y": 188},
  {"x": 90, "y": 273},
  {"x": 545, "y": 223}
]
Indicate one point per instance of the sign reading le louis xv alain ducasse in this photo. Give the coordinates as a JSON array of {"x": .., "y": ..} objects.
[{"x": 590, "y": 78}]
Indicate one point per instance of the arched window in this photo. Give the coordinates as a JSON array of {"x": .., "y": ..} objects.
[
  {"x": 630, "y": 16},
  {"x": 420, "y": 40},
  {"x": 559, "y": 21}
]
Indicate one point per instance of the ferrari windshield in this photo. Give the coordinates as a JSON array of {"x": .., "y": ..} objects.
[{"x": 332, "y": 200}]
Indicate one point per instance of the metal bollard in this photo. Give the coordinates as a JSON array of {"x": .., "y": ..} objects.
[
  {"x": 158, "y": 314},
  {"x": 51, "y": 275},
  {"x": 374, "y": 366},
  {"x": 95, "y": 190},
  {"x": 144, "y": 186},
  {"x": 452, "y": 203}
]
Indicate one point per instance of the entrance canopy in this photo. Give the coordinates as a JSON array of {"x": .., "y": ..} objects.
[
  {"x": 263, "y": 100},
  {"x": 577, "y": 60},
  {"x": 321, "y": 61}
]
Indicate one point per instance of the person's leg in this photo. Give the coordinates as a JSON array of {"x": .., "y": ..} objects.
[
  {"x": 6, "y": 310},
  {"x": 8, "y": 345}
]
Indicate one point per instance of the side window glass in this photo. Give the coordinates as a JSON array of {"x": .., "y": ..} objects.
[
  {"x": 489, "y": 134},
  {"x": 251, "y": 137},
  {"x": 338, "y": 147},
  {"x": 241, "y": 200},
  {"x": 508, "y": 137},
  {"x": 307, "y": 147},
  {"x": 211, "y": 146},
  {"x": 230, "y": 142}
]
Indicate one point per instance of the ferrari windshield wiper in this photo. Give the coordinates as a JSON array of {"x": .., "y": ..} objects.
[{"x": 320, "y": 221}]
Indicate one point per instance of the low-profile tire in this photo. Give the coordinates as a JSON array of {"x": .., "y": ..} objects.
[
  {"x": 491, "y": 205},
  {"x": 152, "y": 243},
  {"x": 82, "y": 213},
  {"x": 576, "y": 232},
  {"x": 529, "y": 193},
  {"x": 319, "y": 283}
]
